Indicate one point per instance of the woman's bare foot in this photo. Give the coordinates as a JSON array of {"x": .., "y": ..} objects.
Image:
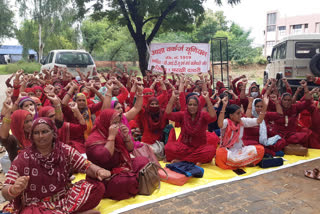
[
  {"x": 175, "y": 161},
  {"x": 198, "y": 163}
]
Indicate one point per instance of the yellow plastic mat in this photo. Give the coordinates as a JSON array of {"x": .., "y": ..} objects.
[{"x": 213, "y": 175}]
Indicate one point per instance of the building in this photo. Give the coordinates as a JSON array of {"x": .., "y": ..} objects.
[
  {"x": 278, "y": 27},
  {"x": 15, "y": 52}
]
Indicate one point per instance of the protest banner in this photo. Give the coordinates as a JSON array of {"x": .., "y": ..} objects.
[{"x": 185, "y": 58}]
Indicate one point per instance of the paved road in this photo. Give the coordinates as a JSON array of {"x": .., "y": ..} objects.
[{"x": 280, "y": 192}]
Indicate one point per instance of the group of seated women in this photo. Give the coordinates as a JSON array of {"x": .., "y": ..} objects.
[{"x": 54, "y": 125}]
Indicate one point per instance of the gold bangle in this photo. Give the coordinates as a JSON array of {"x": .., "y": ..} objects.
[
  {"x": 222, "y": 111},
  {"x": 6, "y": 120},
  {"x": 57, "y": 110},
  {"x": 108, "y": 95}
]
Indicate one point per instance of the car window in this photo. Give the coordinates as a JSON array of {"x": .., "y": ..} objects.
[
  {"x": 50, "y": 57},
  {"x": 282, "y": 50},
  {"x": 307, "y": 49},
  {"x": 73, "y": 58},
  {"x": 274, "y": 53}
]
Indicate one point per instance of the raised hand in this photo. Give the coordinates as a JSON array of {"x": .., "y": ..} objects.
[
  {"x": 274, "y": 97},
  {"x": 113, "y": 130},
  {"x": 7, "y": 106},
  {"x": 205, "y": 95},
  {"x": 310, "y": 78},
  {"x": 9, "y": 92},
  {"x": 140, "y": 88},
  {"x": 250, "y": 99},
  {"x": 303, "y": 83},
  {"x": 73, "y": 105},
  {"x": 53, "y": 98},
  {"x": 245, "y": 81},
  {"x": 225, "y": 101},
  {"x": 49, "y": 89},
  {"x": 265, "y": 100}
]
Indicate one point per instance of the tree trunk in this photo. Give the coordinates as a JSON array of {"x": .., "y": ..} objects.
[
  {"x": 40, "y": 44},
  {"x": 142, "y": 52}
]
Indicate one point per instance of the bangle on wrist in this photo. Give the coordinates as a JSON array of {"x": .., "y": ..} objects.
[{"x": 6, "y": 120}]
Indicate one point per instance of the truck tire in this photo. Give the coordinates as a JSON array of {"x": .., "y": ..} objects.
[{"x": 315, "y": 65}]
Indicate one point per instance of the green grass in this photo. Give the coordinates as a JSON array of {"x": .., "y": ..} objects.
[{"x": 28, "y": 67}]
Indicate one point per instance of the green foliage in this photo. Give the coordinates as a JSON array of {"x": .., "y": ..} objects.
[
  {"x": 28, "y": 67},
  {"x": 27, "y": 35},
  {"x": 6, "y": 20},
  {"x": 145, "y": 18}
]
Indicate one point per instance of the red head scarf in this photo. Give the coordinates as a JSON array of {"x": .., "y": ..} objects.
[
  {"x": 35, "y": 88},
  {"x": 154, "y": 115},
  {"x": 44, "y": 111},
  {"x": 146, "y": 97},
  {"x": 17, "y": 121}
]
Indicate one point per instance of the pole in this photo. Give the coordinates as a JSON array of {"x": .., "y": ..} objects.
[
  {"x": 221, "y": 61},
  {"x": 227, "y": 63}
]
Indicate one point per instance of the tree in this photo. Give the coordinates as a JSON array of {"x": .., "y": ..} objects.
[
  {"x": 48, "y": 14},
  {"x": 6, "y": 20},
  {"x": 64, "y": 38},
  {"x": 212, "y": 23},
  {"x": 137, "y": 14},
  {"x": 95, "y": 34}
]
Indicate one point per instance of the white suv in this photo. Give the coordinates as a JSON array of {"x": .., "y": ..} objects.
[
  {"x": 293, "y": 58},
  {"x": 71, "y": 59}
]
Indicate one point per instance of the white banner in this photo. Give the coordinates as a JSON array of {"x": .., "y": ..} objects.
[{"x": 180, "y": 57}]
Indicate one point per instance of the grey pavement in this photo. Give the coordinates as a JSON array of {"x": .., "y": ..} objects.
[{"x": 279, "y": 192}]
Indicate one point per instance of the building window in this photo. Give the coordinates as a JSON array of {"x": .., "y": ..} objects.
[
  {"x": 282, "y": 30},
  {"x": 296, "y": 29},
  {"x": 306, "y": 25},
  {"x": 271, "y": 28},
  {"x": 271, "y": 19}
]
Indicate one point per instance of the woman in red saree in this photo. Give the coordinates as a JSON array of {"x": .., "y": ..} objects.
[
  {"x": 192, "y": 143},
  {"x": 39, "y": 178},
  {"x": 20, "y": 125},
  {"x": 69, "y": 133},
  {"x": 108, "y": 146},
  {"x": 151, "y": 120},
  {"x": 287, "y": 126},
  {"x": 314, "y": 138}
]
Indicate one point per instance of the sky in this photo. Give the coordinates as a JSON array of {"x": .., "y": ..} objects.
[{"x": 251, "y": 14}]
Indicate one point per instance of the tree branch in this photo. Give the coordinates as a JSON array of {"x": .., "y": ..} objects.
[
  {"x": 160, "y": 20},
  {"x": 125, "y": 13},
  {"x": 147, "y": 20}
]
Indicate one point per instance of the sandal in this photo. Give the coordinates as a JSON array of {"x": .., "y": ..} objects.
[{"x": 315, "y": 173}]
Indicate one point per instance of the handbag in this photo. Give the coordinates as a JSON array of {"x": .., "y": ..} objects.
[
  {"x": 146, "y": 151},
  {"x": 149, "y": 179},
  {"x": 295, "y": 149}
]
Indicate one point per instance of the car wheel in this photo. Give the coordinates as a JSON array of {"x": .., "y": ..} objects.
[{"x": 315, "y": 65}]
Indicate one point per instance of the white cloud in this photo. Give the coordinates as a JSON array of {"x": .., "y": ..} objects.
[{"x": 251, "y": 14}]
